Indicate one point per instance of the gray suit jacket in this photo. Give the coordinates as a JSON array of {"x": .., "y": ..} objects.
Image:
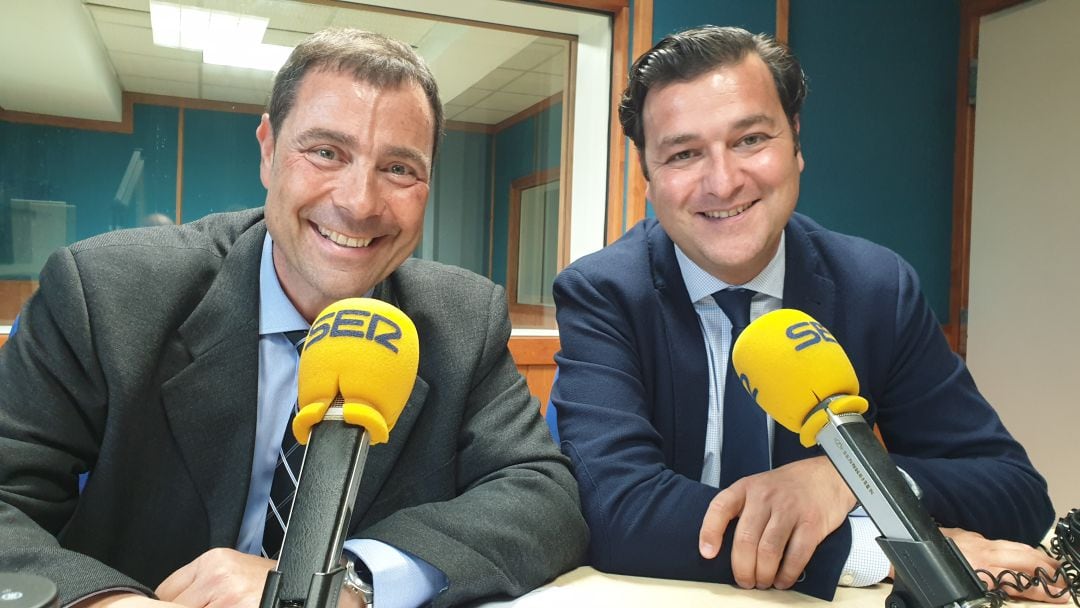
[{"x": 137, "y": 360}]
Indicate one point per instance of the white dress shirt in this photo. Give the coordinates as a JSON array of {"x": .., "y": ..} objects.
[{"x": 866, "y": 563}]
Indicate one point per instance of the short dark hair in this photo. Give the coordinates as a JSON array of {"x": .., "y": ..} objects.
[
  {"x": 367, "y": 56},
  {"x": 688, "y": 54}
]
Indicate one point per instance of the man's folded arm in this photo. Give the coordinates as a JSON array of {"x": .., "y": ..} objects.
[
  {"x": 940, "y": 430},
  {"x": 52, "y": 412},
  {"x": 644, "y": 518}
]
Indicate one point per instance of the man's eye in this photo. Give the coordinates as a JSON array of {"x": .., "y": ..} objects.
[
  {"x": 326, "y": 153},
  {"x": 682, "y": 155},
  {"x": 399, "y": 169},
  {"x": 752, "y": 140}
]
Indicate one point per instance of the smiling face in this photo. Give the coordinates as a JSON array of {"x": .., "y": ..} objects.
[
  {"x": 723, "y": 167},
  {"x": 347, "y": 182}
]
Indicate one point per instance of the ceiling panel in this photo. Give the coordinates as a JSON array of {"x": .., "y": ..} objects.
[
  {"x": 159, "y": 86},
  {"x": 535, "y": 83},
  {"x": 471, "y": 96},
  {"x": 292, "y": 16},
  {"x": 504, "y": 72},
  {"x": 136, "y": 5},
  {"x": 228, "y": 76},
  {"x": 406, "y": 29},
  {"x": 155, "y": 67},
  {"x": 451, "y": 110},
  {"x": 235, "y": 94},
  {"x": 139, "y": 40},
  {"x": 532, "y": 55},
  {"x": 497, "y": 79},
  {"x": 483, "y": 116},
  {"x": 510, "y": 102},
  {"x": 120, "y": 16},
  {"x": 556, "y": 65}
]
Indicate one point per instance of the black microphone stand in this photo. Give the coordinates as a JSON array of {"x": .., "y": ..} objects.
[
  {"x": 930, "y": 572},
  {"x": 309, "y": 572}
]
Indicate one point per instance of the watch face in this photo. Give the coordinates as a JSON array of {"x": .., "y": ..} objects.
[{"x": 360, "y": 582}]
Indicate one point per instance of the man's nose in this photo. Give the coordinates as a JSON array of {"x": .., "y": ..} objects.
[
  {"x": 724, "y": 176},
  {"x": 358, "y": 192}
]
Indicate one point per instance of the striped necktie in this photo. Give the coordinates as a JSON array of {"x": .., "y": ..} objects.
[
  {"x": 286, "y": 474},
  {"x": 746, "y": 437}
]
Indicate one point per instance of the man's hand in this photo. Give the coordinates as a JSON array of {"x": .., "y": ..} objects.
[
  {"x": 997, "y": 555},
  {"x": 122, "y": 599},
  {"x": 219, "y": 578},
  {"x": 784, "y": 514}
]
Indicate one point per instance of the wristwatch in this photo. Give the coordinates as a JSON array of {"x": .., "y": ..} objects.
[{"x": 358, "y": 582}]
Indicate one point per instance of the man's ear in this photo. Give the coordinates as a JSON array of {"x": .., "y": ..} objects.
[
  {"x": 641, "y": 163},
  {"x": 798, "y": 144},
  {"x": 265, "y": 134}
]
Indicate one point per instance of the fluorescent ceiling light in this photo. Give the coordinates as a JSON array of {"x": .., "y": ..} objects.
[
  {"x": 266, "y": 57},
  {"x": 224, "y": 38},
  {"x": 165, "y": 23}
]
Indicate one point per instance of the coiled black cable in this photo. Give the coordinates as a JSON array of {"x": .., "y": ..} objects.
[{"x": 1064, "y": 547}]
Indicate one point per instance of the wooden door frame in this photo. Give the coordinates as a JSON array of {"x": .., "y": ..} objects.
[
  {"x": 971, "y": 14},
  {"x": 513, "y": 234}
]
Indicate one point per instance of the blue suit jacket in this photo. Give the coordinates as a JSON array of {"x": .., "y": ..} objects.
[{"x": 633, "y": 390}]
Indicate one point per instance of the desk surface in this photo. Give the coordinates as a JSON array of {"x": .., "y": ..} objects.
[{"x": 587, "y": 587}]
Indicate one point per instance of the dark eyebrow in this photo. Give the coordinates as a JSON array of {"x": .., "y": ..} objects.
[
  {"x": 412, "y": 154},
  {"x": 739, "y": 125},
  {"x": 752, "y": 120},
  {"x": 677, "y": 140},
  {"x": 323, "y": 134}
]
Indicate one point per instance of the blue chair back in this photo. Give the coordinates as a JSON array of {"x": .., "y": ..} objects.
[{"x": 550, "y": 414}]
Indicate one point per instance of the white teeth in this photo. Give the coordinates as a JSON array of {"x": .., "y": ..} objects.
[
  {"x": 344, "y": 241},
  {"x": 728, "y": 213}
]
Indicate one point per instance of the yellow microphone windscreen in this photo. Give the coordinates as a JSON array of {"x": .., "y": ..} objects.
[
  {"x": 790, "y": 363},
  {"x": 367, "y": 351}
]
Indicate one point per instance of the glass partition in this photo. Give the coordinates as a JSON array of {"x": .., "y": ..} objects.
[{"x": 155, "y": 125}]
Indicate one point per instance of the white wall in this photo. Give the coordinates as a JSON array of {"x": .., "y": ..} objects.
[{"x": 1025, "y": 247}]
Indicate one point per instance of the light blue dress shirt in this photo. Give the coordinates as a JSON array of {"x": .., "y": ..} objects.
[
  {"x": 866, "y": 563},
  {"x": 400, "y": 580}
]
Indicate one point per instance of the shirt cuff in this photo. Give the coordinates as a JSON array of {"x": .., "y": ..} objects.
[
  {"x": 866, "y": 563},
  {"x": 131, "y": 590},
  {"x": 399, "y": 579}
]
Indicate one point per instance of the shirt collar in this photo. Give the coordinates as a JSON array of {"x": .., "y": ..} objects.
[
  {"x": 701, "y": 285},
  {"x": 276, "y": 313}
]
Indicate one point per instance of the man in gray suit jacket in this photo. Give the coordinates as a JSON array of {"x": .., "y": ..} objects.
[{"x": 145, "y": 359}]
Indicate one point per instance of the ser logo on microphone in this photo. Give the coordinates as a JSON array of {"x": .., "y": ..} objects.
[
  {"x": 810, "y": 332},
  {"x": 349, "y": 323}
]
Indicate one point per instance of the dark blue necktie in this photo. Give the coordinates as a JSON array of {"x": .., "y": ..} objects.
[
  {"x": 746, "y": 436},
  {"x": 286, "y": 473}
]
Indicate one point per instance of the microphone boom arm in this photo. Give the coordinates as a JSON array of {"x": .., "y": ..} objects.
[
  {"x": 930, "y": 572},
  {"x": 317, "y": 534}
]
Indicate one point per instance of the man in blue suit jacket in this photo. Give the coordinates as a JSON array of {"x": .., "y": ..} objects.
[{"x": 714, "y": 115}]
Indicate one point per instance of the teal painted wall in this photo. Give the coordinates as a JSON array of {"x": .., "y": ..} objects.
[
  {"x": 878, "y": 125},
  {"x": 221, "y": 163},
  {"x": 460, "y": 200},
  {"x": 221, "y": 173},
  {"x": 84, "y": 169},
  {"x": 674, "y": 15},
  {"x": 527, "y": 147}
]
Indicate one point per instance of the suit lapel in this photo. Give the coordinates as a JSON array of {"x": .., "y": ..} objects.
[
  {"x": 809, "y": 289},
  {"x": 381, "y": 458},
  {"x": 211, "y": 391},
  {"x": 688, "y": 373}
]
